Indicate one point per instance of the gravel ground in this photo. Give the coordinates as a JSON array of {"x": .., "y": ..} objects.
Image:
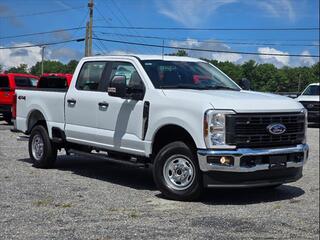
[{"x": 91, "y": 199}]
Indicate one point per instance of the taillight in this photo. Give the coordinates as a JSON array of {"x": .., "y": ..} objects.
[{"x": 14, "y": 107}]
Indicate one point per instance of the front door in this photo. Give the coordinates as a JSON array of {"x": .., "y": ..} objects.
[{"x": 120, "y": 121}]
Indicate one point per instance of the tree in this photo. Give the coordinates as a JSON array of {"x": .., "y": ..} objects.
[
  {"x": 71, "y": 66},
  {"x": 181, "y": 53},
  {"x": 0, "y": 68},
  {"x": 48, "y": 67},
  {"x": 22, "y": 68}
]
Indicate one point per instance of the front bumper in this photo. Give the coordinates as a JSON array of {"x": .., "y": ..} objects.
[{"x": 262, "y": 173}]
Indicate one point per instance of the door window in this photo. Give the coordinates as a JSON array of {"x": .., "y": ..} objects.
[
  {"x": 4, "y": 82},
  {"x": 90, "y": 75},
  {"x": 128, "y": 71},
  {"x": 23, "y": 82}
]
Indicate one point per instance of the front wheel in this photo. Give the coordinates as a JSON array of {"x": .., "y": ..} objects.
[
  {"x": 41, "y": 150},
  {"x": 176, "y": 172}
]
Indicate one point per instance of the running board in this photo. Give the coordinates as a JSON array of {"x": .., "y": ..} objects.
[{"x": 107, "y": 158}]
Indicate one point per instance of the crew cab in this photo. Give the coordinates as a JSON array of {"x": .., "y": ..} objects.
[
  {"x": 310, "y": 99},
  {"x": 181, "y": 116},
  {"x": 54, "y": 80},
  {"x": 8, "y": 83}
]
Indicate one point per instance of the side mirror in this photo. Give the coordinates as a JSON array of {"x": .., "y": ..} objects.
[
  {"x": 136, "y": 92},
  {"x": 118, "y": 87},
  {"x": 245, "y": 84}
]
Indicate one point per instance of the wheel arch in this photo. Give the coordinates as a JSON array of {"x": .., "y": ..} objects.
[
  {"x": 169, "y": 133},
  {"x": 36, "y": 118}
]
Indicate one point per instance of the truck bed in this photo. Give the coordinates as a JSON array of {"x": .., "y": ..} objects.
[{"x": 49, "y": 102}]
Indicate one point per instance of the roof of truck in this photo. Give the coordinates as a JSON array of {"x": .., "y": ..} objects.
[
  {"x": 314, "y": 84},
  {"x": 149, "y": 57}
]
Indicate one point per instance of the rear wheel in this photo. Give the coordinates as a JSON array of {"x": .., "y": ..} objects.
[
  {"x": 41, "y": 150},
  {"x": 176, "y": 172}
]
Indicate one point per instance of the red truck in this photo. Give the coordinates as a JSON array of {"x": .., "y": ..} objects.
[
  {"x": 8, "y": 84},
  {"x": 55, "y": 80}
]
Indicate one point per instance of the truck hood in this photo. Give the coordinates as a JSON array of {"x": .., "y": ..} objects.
[
  {"x": 239, "y": 101},
  {"x": 306, "y": 98}
]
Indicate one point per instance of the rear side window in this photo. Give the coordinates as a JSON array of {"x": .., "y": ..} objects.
[
  {"x": 90, "y": 75},
  {"x": 4, "y": 82},
  {"x": 53, "y": 82},
  {"x": 23, "y": 82}
]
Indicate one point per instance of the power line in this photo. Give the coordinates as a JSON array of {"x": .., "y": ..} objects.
[
  {"x": 211, "y": 41},
  {"x": 213, "y": 29},
  {"x": 43, "y": 13},
  {"x": 43, "y": 44},
  {"x": 206, "y": 50},
  {"x": 41, "y": 33}
]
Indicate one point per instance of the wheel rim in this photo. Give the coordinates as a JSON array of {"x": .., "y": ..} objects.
[
  {"x": 179, "y": 172},
  {"x": 37, "y": 147}
]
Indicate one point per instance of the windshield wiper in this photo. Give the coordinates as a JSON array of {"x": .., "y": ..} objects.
[
  {"x": 219, "y": 87},
  {"x": 180, "y": 86}
]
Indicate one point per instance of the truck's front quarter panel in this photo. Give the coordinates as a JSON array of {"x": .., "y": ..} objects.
[{"x": 185, "y": 113}]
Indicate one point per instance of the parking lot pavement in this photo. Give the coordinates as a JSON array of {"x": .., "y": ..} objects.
[{"x": 91, "y": 199}]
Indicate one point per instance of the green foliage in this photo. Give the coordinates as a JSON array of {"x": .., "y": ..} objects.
[
  {"x": 180, "y": 53},
  {"x": 22, "y": 68},
  {"x": 54, "y": 67},
  {"x": 268, "y": 78},
  {"x": 0, "y": 68}
]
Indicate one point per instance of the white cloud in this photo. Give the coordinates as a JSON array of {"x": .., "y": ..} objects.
[
  {"x": 307, "y": 61},
  {"x": 15, "y": 57},
  {"x": 190, "y": 12},
  {"x": 277, "y": 8},
  {"x": 209, "y": 44},
  {"x": 30, "y": 56},
  {"x": 279, "y": 61},
  {"x": 65, "y": 53}
]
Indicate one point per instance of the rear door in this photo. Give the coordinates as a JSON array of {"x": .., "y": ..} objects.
[{"x": 81, "y": 105}]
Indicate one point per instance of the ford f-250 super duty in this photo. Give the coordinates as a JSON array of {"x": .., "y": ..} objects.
[{"x": 182, "y": 116}]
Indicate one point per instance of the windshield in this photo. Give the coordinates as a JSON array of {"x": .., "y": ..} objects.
[
  {"x": 312, "y": 90},
  {"x": 192, "y": 75}
]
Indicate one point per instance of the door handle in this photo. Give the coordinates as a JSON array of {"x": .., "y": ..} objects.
[
  {"x": 71, "y": 101},
  {"x": 103, "y": 105}
]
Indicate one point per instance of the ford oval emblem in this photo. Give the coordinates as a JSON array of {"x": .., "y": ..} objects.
[{"x": 276, "y": 128}]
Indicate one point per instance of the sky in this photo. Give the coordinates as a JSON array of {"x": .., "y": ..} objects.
[{"x": 23, "y": 17}]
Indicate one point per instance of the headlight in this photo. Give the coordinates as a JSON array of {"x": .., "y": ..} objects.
[{"x": 215, "y": 129}]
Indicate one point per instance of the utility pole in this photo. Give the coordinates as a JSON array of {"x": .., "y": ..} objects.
[
  {"x": 90, "y": 5},
  {"x": 86, "y": 50},
  {"x": 42, "y": 58}
]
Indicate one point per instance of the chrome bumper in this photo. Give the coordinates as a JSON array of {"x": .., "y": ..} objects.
[{"x": 237, "y": 154}]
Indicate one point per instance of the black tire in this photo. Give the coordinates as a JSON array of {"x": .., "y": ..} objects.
[
  {"x": 7, "y": 117},
  {"x": 49, "y": 151},
  {"x": 168, "y": 154}
]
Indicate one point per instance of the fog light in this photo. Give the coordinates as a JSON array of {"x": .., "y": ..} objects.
[{"x": 225, "y": 161}]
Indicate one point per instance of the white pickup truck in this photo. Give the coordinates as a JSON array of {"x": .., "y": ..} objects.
[
  {"x": 182, "y": 116},
  {"x": 310, "y": 99}
]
